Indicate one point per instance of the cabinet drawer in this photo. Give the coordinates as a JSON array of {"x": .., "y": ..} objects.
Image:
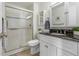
[
  {"x": 44, "y": 37},
  {"x": 48, "y": 39},
  {"x": 61, "y": 52}
]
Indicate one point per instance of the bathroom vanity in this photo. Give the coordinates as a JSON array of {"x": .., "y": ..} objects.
[
  {"x": 62, "y": 15},
  {"x": 52, "y": 45}
]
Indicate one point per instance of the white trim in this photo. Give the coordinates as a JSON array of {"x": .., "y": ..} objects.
[
  {"x": 56, "y": 4},
  {"x": 12, "y": 6}
]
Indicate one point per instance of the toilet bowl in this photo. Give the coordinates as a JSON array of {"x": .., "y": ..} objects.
[{"x": 34, "y": 46}]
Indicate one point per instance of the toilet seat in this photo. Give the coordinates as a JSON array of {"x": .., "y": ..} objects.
[{"x": 33, "y": 42}]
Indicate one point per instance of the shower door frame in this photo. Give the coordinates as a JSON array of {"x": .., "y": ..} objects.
[{"x": 3, "y": 43}]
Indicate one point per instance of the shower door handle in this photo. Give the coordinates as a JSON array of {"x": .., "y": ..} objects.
[{"x": 3, "y": 35}]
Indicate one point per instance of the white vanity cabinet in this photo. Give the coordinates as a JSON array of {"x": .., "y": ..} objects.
[
  {"x": 47, "y": 49},
  {"x": 54, "y": 46},
  {"x": 64, "y": 14}
]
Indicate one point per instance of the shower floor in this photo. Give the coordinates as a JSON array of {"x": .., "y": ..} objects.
[{"x": 24, "y": 53}]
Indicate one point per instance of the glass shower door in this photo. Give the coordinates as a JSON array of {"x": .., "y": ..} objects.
[{"x": 19, "y": 29}]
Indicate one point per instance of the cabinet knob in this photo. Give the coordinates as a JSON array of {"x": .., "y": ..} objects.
[
  {"x": 46, "y": 46},
  {"x": 66, "y": 12}
]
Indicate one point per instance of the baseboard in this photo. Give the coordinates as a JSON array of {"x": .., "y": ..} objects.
[{"x": 15, "y": 51}]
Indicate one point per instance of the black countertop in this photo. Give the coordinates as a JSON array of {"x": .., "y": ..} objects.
[{"x": 63, "y": 37}]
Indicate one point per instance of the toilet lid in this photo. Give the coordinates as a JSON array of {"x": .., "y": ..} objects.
[{"x": 33, "y": 42}]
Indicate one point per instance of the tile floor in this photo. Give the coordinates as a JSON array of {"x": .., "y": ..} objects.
[{"x": 24, "y": 53}]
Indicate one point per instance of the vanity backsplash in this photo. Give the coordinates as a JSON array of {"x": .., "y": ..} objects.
[{"x": 66, "y": 32}]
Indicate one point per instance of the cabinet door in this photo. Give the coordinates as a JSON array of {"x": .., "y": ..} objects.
[
  {"x": 43, "y": 48},
  {"x": 61, "y": 52},
  {"x": 51, "y": 50},
  {"x": 47, "y": 49}
]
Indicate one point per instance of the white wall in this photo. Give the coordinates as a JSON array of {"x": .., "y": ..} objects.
[
  {"x": 0, "y": 28},
  {"x": 35, "y": 13},
  {"x": 38, "y": 6},
  {"x": 0, "y": 17},
  {"x": 45, "y": 5}
]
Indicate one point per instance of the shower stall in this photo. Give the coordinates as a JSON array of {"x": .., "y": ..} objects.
[{"x": 17, "y": 28}]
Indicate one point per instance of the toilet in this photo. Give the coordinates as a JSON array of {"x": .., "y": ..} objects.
[{"x": 34, "y": 46}]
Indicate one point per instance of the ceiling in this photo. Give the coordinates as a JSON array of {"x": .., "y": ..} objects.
[{"x": 27, "y": 5}]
